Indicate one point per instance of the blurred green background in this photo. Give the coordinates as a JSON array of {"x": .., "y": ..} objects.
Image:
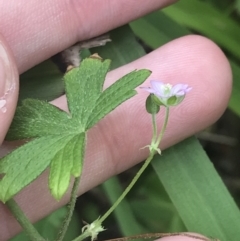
[{"x": 185, "y": 190}]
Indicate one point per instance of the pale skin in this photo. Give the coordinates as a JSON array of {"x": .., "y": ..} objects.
[{"x": 32, "y": 32}]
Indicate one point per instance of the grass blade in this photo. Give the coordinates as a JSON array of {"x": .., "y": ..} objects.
[{"x": 197, "y": 191}]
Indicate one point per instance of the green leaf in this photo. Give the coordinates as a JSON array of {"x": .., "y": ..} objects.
[
  {"x": 158, "y": 214},
  {"x": 123, "y": 49},
  {"x": 213, "y": 23},
  {"x": 43, "y": 81},
  {"x": 235, "y": 96},
  {"x": 35, "y": 118},
  {"x": 157, "y": 29},
  {"x": 114, "y": 95},
  {"x": 26, "y": 163},
  {"x": 237, "y": 6},
  {"x": 84, "y": 86},
  {"x": 61, "y": 136},
  {"x": 197, "y": 191},
  {"x": 67, "y": 161}
]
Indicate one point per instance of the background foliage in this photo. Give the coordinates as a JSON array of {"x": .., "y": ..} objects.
[{"x": 183, "y": 190}]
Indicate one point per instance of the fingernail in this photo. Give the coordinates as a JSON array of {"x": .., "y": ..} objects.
[{"x": 7, "y": 78}]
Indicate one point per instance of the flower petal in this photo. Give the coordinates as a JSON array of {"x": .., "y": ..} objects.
[
  {"x": 180, "y": 89},
  {"x": 166, "y": 93},
  {"x": 158, "y": 87},
  {"x": 148, "y": 89}
]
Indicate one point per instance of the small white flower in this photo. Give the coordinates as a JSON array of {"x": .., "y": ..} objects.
[{"x": 167, "y": 94}]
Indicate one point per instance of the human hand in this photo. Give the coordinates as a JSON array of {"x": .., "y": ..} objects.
[{"x": 37, "y": 30}]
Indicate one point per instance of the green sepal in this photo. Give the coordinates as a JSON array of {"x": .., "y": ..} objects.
[
  {"x": 157, "y": 100},
  {"x": 175, "y": 100},
  {"x": 171, "y": 101},
  {"x": 151, "y": 106}
]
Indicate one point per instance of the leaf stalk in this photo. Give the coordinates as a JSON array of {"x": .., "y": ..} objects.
[
  {"x": 71, "y": 207},
  {"x": 28, "y": 227}
]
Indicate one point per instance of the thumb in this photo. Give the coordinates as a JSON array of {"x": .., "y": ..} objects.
[{"x": 8, "y": 87}]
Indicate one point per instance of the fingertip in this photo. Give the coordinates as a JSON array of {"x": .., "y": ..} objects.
[
  {"x": 184, "y": 237},
  {"x": 8, "y": 87},
  {"x": 200, "y": 63},
  {"x": 212, "y": 84}
]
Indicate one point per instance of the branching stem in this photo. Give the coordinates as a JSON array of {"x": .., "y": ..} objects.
[{"x": 155, "y": 142}]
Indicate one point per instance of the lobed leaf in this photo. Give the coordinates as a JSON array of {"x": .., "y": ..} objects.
[
  {"x": 67, "y": 161},
  {"x": 84, "y": 86},
  {"x": 117, "y": 93},
  {"x": 37, "y": 118},
  {"x": 61, "y": 136},
  {"x": 26, "y": 163}
]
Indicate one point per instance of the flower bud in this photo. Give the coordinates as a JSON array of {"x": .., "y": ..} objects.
[{"x": 151, "y": 106}]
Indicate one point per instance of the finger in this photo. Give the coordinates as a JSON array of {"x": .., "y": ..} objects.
[
  {"x": 114, "y": 144},
  {"x": 8, "y": 87},
  {"x": 41, "y": 29},
  {"x": 124, "y": 131},
  {"x": 185, "y": 237}
]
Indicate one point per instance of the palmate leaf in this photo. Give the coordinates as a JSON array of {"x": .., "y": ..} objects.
[
  {"x": 28, "y": 162},
  {"x": 113, "y": 96},
  {"x": 88, "y": 83},
  {"x": 60, "y": 136},
  {"x": 37, "y": 118}
]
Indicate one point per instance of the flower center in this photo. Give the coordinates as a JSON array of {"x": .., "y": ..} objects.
[{"x": 167, "y": 89}]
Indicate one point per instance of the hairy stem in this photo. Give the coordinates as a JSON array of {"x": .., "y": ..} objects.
[
  {"x": 24, "y": 221},
  {"x": 71, "y": 207}
]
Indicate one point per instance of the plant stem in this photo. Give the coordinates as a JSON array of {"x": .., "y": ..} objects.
[
  {"x": 164, "y": 126},
  {"x": 82, "y": 236},
  {"x": 139, "y": 173},
  {"x": 154, "y": 128},
  {"x": 129, "y": 187},
  {"x": 144, "y": 166},
  {"x": 71, "y": 206},
  {"x": 24, "y": 221},
  {"x": 126, "y": 191}
]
